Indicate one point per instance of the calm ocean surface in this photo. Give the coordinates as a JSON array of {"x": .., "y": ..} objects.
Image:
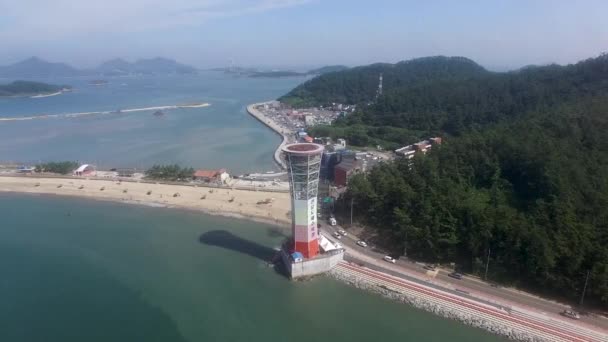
[
  {"x": 222, "y": 135},
  {"x": 73, "y": 270}
]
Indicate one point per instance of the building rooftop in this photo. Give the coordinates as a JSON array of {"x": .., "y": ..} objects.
[
  {"x": 303, "y": 148},
  {"x": 208, "y": 173},
  {"x": 347, "y": 164}
]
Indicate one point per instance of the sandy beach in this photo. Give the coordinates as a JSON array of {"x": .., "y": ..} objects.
[
  {"x": 225, "y": 202},
  {"x": 46, "y": 95}
]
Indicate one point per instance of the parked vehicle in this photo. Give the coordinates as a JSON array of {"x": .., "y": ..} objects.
[
  {"x": 332, "y": 221},
  {"x": 571, "y": 314},
  {"x": 430, "y": 267},
  {"x": 456, "y": 275},
  {"x": 390, "y": 259},
  {"x": 362, "y": 243}
]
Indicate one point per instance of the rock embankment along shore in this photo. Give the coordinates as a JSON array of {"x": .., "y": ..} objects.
[
  {"x": 251, "y": 109},
  {"x": 513, "y": 324}
]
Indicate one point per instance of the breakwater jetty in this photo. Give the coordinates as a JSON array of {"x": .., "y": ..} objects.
[
  {"x": 513, "y": 323},
  {"x": 253, "y": 111},
  {"x": 120, "y": 111}
]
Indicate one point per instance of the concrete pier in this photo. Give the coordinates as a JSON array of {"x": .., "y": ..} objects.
[
  {"x": 275, "y": 127},
  {"x": 310, "y": 267}
]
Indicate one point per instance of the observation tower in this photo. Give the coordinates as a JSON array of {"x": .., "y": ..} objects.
[{"x": 303, "y": 164}]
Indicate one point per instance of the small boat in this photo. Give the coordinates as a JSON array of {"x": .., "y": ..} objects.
[{"x": 159, "y": 113}]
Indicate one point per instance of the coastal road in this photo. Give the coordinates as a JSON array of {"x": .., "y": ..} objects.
[{"x": 467, "y": 287}]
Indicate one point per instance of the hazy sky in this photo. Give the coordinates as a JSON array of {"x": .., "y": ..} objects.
[{"x": 498, "y": 34}]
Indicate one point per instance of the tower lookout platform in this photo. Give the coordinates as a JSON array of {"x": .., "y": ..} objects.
[{"x": 302, "y": 255}]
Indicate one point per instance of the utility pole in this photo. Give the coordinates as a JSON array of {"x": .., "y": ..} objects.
[
  {"x": 352, "y": 200},
  {"x": 585, "y": 288},
  {"x": 405, "y": 245},
  {"x": 485, "y": 277}
]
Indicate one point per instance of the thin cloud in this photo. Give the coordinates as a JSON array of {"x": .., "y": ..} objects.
[{"x": 34, "y": 19}]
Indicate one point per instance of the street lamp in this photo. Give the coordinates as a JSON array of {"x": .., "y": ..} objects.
[
  {"x": 485, "y": 277},
  {"x": 352, "y": 200},
  {"x": 585, "y": 288}
]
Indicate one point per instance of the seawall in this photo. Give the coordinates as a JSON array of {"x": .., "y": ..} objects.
[
  {"x": 513, "y": 323},
  {"x": 311, "y": 267},
  {"x": 275, "y": 127}
]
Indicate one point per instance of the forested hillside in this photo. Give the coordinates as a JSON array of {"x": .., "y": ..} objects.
[
  {"x": 359, "y": 85},
  {"x": 522, "y": 175},
  {"x": 450, "y": 95}
]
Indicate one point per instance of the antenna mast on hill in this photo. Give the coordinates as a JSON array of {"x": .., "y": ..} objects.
[{"x": 379, "y": 92}]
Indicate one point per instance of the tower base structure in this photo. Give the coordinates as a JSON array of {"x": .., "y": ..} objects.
[{"x": 302, "y": 268}]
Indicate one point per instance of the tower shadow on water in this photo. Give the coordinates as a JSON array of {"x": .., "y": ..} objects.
[{"x": 227, "y": 240}]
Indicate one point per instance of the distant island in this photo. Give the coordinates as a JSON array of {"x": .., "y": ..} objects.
[
  {"x": 33, "y": 89},
  {"x": 98, "y": 82},
  {"x": 279, "y": 73},
  {"x": 327, "y": 69},
  {"x": 252, "y": 72},
  {"x": 152, "y": 66},
  {"x": 37, "y": 67}
]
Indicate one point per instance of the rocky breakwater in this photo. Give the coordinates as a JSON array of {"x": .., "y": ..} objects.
[
  {"x": 497, "y": 321},
  {"x": 253, "y": 111}
]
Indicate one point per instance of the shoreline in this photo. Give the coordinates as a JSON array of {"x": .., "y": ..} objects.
[
  {"x": 128, "y": 110},
  {"x": 32, "y": 95},
  {"x": 46, "y": 95},
  {"x": 514, "y": 323},
  {"x": 227, "y": 202},
  {"x": 274, "y": 127}
]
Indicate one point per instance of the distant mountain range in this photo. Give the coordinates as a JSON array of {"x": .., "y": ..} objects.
[
  {"x": 252, "y": 72},
  {"x": 36, "y": 67},
  {"x": 144, "y": 66}
]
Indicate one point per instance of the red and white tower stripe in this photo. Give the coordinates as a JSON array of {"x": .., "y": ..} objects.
[{"x": 303, "y": 164}]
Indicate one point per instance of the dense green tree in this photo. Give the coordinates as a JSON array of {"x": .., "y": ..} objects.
[
  {"x": 522, "y": 172},
  {"x": 170, "y": 172},
  {"x": 64, "y": 167}
]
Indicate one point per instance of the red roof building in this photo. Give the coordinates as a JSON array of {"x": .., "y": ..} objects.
[
  {"x": 211, "y": 175},
  {"x": 344, "y": 170}
]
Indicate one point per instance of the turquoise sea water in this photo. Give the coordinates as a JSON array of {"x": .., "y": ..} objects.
[
  {"x": 74, "y": 270},
  {"x": 221, "y": 135}
]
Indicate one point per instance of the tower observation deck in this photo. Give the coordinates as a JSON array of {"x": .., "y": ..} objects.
[{"x": 303, "y": 164}]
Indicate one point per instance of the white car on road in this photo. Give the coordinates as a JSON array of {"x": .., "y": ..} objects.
[
  {"x": 362, "y": 243},
  {"x": 389, "y": 259},
  {"x": 332, "y": 221},
  {"x": 337, "y": 235},
  {"x": 342, "y": 232}
]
